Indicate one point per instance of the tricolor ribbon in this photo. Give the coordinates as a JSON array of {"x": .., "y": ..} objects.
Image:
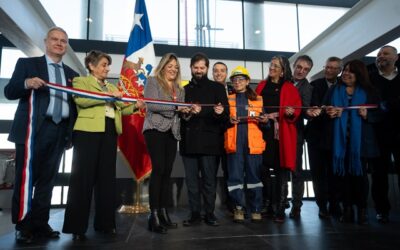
[
  {"x": 26, "y": 186},
  {"x": 125, "y": 98}
]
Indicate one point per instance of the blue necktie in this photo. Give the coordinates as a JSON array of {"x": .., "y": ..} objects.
[{"x": 58, "y": 98}]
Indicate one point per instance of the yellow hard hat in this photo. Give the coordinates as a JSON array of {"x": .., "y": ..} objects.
[{"x": 240, "y": 71}]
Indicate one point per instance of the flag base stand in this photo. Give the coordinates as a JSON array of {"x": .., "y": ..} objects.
[{"x": 137, "y": 208}]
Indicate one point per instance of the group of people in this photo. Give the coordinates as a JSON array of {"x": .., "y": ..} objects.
[{"x": 257, "y": 136}]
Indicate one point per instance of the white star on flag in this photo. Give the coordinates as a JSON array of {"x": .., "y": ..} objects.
[
  {"x": 137, "y": 20},
  {"x": 140, "y": 82}
]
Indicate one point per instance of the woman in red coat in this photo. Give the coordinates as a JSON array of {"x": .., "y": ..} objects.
[{"x": 280, "y": 99}]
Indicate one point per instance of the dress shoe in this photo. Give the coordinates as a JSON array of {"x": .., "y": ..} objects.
[
  {"x": 78, "y": 237},
  {"x": 24, "y": 236},
  {"x": 211, "y": 220},
  {"x": 323, "y": 213},
  {"x": 47, "y": 232},
  {"x": 295, "y": 213},
  {"x": 195, "y": 219},
  {"x": 382, "y": 218}
]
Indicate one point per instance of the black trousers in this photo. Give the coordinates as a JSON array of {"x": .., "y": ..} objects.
[
  {"x": 206, "y": 185},
  {"x": 298, "y": 175},
  {"x": 325, "y": 184},
  {"x": 380, "y": 168},
  {"x": 162, "y": 148},
  {"x": 93, "y": 169},
  {"x": 49, "y": 144},
  {"x": 355, "y": 188}
]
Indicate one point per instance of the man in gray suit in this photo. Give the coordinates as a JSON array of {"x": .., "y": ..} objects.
[{"x": 301, "y": 67}]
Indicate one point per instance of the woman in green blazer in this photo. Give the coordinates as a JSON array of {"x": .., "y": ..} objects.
[{"x": 95, "y": 149}]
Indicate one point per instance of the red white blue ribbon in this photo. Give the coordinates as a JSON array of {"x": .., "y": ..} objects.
[
  {"x": 26, "y": 180},
  {"x": 125, "y": 98},
  {"x": 108, "y": 97}
]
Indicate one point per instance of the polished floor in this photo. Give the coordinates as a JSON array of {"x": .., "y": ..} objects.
[{"x": 309, "y": 232}]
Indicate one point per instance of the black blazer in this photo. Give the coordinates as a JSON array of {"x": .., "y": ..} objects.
[{"x": 15, "y": 89}]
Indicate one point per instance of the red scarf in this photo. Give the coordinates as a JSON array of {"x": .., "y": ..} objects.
[{"x": 287, "y": 125}]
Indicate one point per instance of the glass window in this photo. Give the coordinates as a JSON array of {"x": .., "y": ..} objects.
[
  {"x": 116, "y": 18},
  {"x": 9, "y": 57},
  {"x": 280, "y": 27},
  {"x": 211, "y": 25},
  {"x": 4, "y": 143},
  {"x": 71, "y": 15},
  {"x": 313, "y": 20}
]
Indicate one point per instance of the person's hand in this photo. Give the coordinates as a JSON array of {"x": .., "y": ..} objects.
[
  {"x": 363, "y": 113},
  {"x": 339, "y": 112},
  {"x": 289, "y": 111},
  {"x": 140, "y": 104},
  {"x": 334, "y": 112},
  {"x": 262, "y": 118},
  {"x": 183, "y": 109},
  {"x": 234, "y": 120},
  {"x": 314, "y": 111},
  {"x": 116, "y": 93},
  {"x": 34, "y": 83},
  {"x": 195, "y": 109},
  {"x": 218, "y": 109}
]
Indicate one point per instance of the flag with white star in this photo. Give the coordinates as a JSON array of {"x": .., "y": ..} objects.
[{"x": 138, "y": 64}]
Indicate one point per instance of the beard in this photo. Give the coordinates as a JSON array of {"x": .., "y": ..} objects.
[
  {"x": 382, "y": 63},
  {"x": 199, "y": 76}
]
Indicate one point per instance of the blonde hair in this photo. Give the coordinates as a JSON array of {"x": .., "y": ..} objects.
[{"x": 160, "y": 76}]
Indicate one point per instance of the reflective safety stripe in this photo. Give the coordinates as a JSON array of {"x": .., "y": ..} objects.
[
  {"x": 256, "y": 185},
  {"x": 231, "y": 188}
]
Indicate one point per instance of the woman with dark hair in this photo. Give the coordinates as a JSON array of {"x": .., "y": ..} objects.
[
  {"x": 244, "y": 146},
  {"x": 95, "y": 150},
  {"x": 353, "y": 137},
  {"x": 280, "y": 99},
  {"x": 161, "y": 132}
]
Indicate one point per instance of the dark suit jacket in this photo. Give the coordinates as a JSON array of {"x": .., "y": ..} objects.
[
  {"x": 316, "y": 129},
  {"x": 15, "y": 89},
  {"x": 202, "y": 133}
]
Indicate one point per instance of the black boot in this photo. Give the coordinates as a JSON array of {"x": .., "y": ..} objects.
[
  {"x": 362, "y": 216},
  {"x": 165, "y": 220},
  {"x": 348, "y": 215},
  {"x": 154, "y": 223}
]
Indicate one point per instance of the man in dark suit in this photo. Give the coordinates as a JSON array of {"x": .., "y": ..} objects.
[
  {"x": 319, "y": 154},
  {"x": 202, "y": 142},
  {"x": 301, "y": 67},
  {"x": 45, "y": 117}
]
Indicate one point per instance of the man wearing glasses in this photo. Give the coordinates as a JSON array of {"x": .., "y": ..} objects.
[{"x": 319, "y": 155}]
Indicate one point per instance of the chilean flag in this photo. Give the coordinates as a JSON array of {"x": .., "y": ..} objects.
[{"x": 137, "y": 66}]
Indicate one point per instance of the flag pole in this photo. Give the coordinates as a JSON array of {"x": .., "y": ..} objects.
[{"x": 138, "y": 207}]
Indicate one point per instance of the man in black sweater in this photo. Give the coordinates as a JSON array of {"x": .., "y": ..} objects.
[{"x": 387, "y": 81}]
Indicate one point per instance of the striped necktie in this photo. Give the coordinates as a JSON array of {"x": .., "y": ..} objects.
[{"x": 58, "y": 98}]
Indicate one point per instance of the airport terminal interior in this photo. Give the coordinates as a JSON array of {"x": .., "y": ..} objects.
[{"x": 237, "y": 32}]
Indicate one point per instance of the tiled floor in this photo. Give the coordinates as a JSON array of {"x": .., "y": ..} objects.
[{"x": 307, "y": 233}]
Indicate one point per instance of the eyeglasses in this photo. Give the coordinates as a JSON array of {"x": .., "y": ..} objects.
[
  {"x": 331, "y": 68},
  {"x": 239, "y": 79},
  {"x": 274, "y": 66}
]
